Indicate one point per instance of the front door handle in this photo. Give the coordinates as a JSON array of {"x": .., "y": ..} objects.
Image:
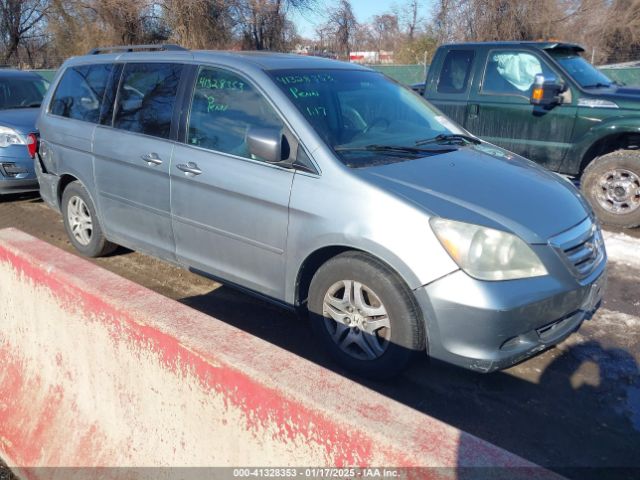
[
  {"x": 152, "y": 159},
  {"x": 474, "y": 110},
  {"x": 190, "y": 168}
]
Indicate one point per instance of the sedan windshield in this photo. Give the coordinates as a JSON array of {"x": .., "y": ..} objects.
[
  {"x": 368, "y": 119},
  {"x": 21, "y": 92},
  {"x": 580, "y": 70}
]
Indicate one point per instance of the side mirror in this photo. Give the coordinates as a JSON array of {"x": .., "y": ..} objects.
[
  {"x": 267, "y": 144},
  {"x": 546, "y": 92}
]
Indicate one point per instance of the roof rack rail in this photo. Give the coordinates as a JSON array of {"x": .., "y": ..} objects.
[{"x": 136, "y": 48}]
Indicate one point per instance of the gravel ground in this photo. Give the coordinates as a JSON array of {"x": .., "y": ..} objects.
[{"x": 575, "y": 408}]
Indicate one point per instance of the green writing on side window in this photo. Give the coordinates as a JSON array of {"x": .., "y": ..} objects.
[
  {"x": 312, "y": 78},
  {"x": 297, "y": 93},
  {"x": 212, "y": 106},
  {"x": 220, "y": 84},
  {"x": 317, "y": 111}
]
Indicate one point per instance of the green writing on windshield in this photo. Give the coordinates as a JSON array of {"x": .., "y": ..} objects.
[
  {"x": 301, "y": 79},
  {"x": 316, "y": 111},
  {"x": 220, "y": 84},
  {"x": 297, "y": 93}
]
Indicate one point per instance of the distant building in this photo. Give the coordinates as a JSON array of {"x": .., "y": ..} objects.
[{"x": 371, "y": 57}]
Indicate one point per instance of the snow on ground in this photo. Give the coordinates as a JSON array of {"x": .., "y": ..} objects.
[{"x": 623, "y": 249}]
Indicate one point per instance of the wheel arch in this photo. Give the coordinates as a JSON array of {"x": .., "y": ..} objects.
[
  {"x": 609, "y": 144},
  {"x": 320, "y": 256},
  {"x": 63, "y": 183}
]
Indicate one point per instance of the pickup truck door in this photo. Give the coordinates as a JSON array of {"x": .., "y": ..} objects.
[
  {"x": 500, "y": 111},
  {"x": 449, "y": 89}
]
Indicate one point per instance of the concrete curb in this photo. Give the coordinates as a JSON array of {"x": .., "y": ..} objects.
[{"x": 99, "y": 371}]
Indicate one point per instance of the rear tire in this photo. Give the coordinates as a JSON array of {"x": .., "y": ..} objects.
[
  {"x": 611, "y": 184},
  {"x": 365, "y": 316},
  {"x": 81, "y": 222}
]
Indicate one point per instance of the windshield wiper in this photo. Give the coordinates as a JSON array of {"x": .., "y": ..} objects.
[
  {"x": 391, "y": 149},
  {"x": 598, "y": 85},
  {"x": 30, "y": 105},
  {"x": 449, "y": 137}
]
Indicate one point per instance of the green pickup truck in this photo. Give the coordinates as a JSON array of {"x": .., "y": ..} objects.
[{"x": 543, "y": 101}]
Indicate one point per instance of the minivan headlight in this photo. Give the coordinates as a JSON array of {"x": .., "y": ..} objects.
[
  {"x": 8, "y": 137},
  {"x": 485, "y": 253}
]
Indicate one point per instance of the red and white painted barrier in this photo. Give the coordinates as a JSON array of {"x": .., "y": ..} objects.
[{"x": 98, "y": 371}]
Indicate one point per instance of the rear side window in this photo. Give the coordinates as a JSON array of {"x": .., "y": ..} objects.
[
  {"x": 456, "y": 70},
  {"x": 223, "y": 109},
  {"x": 146, "y": 98},
  {"x": 80, "y": 93}
]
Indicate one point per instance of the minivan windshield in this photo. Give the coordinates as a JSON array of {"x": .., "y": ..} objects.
[
  {"x": 21, "y": 92},
  {"x": 368, "y": 119},
  {"x": 580, "y": 70}
]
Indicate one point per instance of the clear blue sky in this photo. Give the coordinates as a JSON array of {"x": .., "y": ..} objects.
[{"x": 363, "y": 10}]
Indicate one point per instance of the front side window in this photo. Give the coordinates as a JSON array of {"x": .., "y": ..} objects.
[
  {"x": 512, "y": 73},
  {"x": 146, "y": 98},
  {"x": 456, "y": 71},
  {"x": 223, "y": 109},
  {"x": 80, "y": 93}
]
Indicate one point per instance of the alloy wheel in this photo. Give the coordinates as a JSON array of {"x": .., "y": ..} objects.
[{"x": 356, "y": 320}]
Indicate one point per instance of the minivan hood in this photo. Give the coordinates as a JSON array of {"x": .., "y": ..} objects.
[
  {"x": 21, "y": 119},
  {"x": 487, "y": 186}
]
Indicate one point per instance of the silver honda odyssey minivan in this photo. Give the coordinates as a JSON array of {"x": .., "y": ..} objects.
[{"x": 327, "y": 188}]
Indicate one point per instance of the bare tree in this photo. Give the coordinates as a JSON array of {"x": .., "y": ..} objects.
[
  {"x": 263, "y": 23},
  {"x": 387, "y": 31},
  {"x": 342, "y": 26},
  {"x": 409, "y": 17},
  {"x": 19, "y": 20},
  {"x": 198, "y": 23}
]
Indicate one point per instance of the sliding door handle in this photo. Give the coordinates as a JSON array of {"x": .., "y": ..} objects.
[
  {"x": 190, "y": 168},
  {"x": 151, "y": 159}
]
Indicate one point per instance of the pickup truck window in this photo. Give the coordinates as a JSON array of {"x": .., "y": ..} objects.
[
  {"x": 456, "y": 70},
  {"x": 512, "y": 73},
  {"x": 580, "y": 70},
  {"x": 363, "y": 116}
]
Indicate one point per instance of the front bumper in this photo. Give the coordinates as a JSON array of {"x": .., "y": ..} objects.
[
  {"x": 488, "y": 326},
  {"x": 17, "y": 173}
]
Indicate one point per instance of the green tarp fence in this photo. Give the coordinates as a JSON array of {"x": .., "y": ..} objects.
[
  {"x": 407, "y": 74},
  {"x": 626, "y": 75},
  {"x": 46, "y": 74}
]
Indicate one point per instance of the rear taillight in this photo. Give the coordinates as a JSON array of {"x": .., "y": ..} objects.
[{"x": 32, "y": 144}]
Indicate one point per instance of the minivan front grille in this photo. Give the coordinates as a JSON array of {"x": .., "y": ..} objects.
[{"x": 581, "y": 248}]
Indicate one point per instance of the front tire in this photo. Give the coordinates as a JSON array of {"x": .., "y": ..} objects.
[
  {"x": 611, "y": 184},
  {"x": 365, "y": 316},
  {"x": 81, "y": 222}
]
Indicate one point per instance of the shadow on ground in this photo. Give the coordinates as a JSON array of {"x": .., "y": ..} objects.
[{"x": 574, "y": 419}]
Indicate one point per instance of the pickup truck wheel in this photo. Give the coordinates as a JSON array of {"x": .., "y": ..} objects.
[
  {"x": 611, "y": 184},
  {"x": 81, "y": 222},
  {"x": 364, "y": 315}
]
